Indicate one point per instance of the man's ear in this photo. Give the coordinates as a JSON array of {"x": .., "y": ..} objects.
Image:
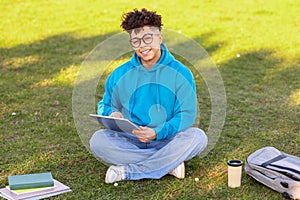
[{"x": 160, "y": 38}]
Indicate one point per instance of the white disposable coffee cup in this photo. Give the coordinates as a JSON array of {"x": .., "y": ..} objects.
[{"x": 234, "y": 173}]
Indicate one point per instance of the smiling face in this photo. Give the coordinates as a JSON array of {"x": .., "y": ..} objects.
[{"x": 146, "y": 43}]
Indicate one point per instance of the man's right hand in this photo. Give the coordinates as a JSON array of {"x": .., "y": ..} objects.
[{"x": 116, "y": 114}]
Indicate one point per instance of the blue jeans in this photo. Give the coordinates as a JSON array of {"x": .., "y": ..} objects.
[{"x": 147, "y": 160}]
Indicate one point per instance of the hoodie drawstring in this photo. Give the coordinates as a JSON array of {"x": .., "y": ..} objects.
[{"x": 157, "y": 90}]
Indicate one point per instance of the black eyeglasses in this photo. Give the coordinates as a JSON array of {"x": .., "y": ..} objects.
[{"x": 147, "y": 39}]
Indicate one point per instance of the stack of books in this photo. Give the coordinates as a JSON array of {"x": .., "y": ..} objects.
[{"x": 32, "y": 186}]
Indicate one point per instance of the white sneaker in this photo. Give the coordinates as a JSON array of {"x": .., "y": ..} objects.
[
  {"x": 114, "y": 174},
  {"x": 179, "y": 171}
]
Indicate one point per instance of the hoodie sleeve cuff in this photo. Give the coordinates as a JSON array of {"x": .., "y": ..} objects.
[{"x": 159, "y": 133}]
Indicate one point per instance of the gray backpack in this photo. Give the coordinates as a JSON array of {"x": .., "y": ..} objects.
[{"x": 275, "y": 169}]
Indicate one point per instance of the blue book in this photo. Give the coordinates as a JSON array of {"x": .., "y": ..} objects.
[{"x": 30, "y": 181}]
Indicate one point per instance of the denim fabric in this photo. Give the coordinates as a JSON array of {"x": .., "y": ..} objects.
[{"x": 147, "y": 160}]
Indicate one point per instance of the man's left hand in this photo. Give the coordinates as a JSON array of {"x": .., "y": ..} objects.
[{"x": 145, "y": 134}]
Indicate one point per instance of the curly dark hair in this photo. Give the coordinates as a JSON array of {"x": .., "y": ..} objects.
[{"x": 138, "y": 19}]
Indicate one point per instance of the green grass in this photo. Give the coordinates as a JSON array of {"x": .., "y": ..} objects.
[{"x": 43, "y": 43}]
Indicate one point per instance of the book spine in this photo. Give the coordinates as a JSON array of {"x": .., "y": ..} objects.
[{"x": 32, "y": 185}]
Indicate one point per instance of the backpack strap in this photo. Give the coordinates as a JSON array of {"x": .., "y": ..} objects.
[
  {"x": 277, "y": 158},
  {"x": 282, "y": 169}
]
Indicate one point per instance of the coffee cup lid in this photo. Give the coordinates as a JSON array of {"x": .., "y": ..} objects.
[{"x": 235, "y": 163}]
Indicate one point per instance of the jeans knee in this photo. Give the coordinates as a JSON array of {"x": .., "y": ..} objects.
[
  {"x": 200, "y": 137},
  {"x": 94, "y": 141},
  {"x": 203, "y": 136}
]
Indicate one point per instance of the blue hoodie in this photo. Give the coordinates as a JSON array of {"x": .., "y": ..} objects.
[{"x": 162, "y": 98}]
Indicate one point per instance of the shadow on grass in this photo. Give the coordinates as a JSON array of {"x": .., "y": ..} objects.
[
  {"x": 43, "y": 59},
  {"x": 256, "y": 101},
  {"x": 42, "y": 120}
]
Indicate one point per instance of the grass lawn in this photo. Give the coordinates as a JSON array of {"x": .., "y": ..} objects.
[{"x": 255, "y": 44}]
